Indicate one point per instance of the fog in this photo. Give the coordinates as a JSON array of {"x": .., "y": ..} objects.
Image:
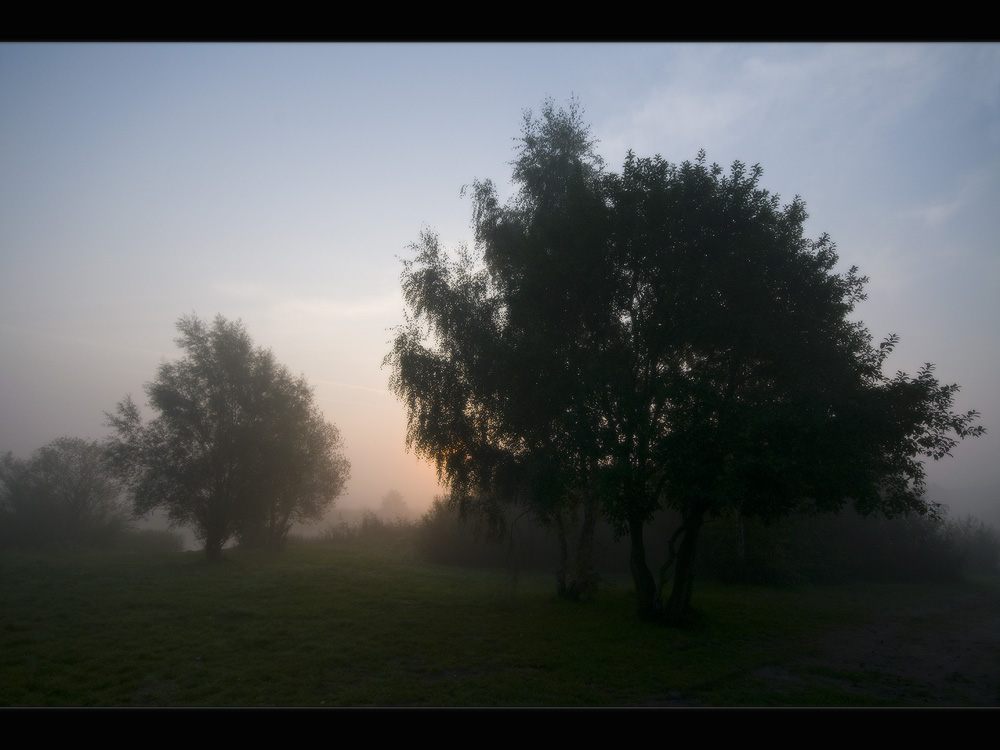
[{"x": 281, "y": 185}]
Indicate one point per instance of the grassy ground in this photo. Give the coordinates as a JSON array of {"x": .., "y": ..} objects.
[{"x": 357, "y": 625}]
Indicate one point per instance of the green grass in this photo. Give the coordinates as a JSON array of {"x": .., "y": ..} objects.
[{"x": 356, "y": 625}]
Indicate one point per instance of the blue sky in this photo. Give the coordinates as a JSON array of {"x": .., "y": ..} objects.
[{"x": 280, "y": 184}]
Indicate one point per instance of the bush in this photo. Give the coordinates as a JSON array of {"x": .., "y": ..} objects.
[
  {"x": 443, "y": 537},
  {"x": 370, "y": 528},
  {"x": 845, "y": 547},
  {"x": 747, "y": 551},
  {"x": 980, "y": 544}
]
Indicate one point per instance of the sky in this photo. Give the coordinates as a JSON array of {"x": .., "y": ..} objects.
[{"x": 282, "y": 184}]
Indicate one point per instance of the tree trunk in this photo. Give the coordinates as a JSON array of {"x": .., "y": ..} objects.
[
  {"x": 213, "y": 546},
  {"x": 678, "y": 610},
  {"x": 645, "y": 587},
  {"x": 741, "y": 543},
  {"x": 561, "y": 589},
  {"x": 278, "y": 528},
  {"x": 585, "y": 571},
  {"x": 576, "y": 575},
  {"x": 215, "y": 538}
]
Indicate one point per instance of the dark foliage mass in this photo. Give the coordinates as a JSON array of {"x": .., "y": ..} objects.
[
  {"x": 826, "y": 548},
  {"x": 443, "y": 536},
  {"x": 371, "y": 528},
  {"x": 64, "y": 495},
  {"x": 661, "y": 337},
  {"x": 237, "y": 449},
  {"x": 847, "y": 547}
]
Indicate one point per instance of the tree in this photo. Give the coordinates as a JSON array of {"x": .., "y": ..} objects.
[
  {"x": 304, "y": 467},
  {"x": 752, "y": 387},
  {"x": 63, "y": 494},
  {"x": 662, "y": 337},
  {"x": 394, "y": 507},
  {"x": 501, "y": 402},
  {"x": 238, "y": 448}
]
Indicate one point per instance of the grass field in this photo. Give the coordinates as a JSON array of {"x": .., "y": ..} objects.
[{"x": 354, "y": 624}]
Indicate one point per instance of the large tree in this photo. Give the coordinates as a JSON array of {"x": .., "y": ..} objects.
[
  {"x": 750, "y": 389},
  {"x": 238, "y": 446},
  {"x": 665, "y": 336},
  {"x": 500, "y": 400},
  {"x": 64, "y": 494}
]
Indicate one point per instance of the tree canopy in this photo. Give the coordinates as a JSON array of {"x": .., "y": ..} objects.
[
  {"x": 63, "y": 494},
  {"x": 238, "y": 447},
  {"x": 665, "y": 336}
]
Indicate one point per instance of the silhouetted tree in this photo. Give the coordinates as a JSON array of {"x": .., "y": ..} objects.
[
  {"x": 750, "y": 391},
  {"x": 501, "y": 403},
  {"x": 63, "y": 494},
  {"x": 666, "y": 336},
  {"x": 238, "y": 446}
]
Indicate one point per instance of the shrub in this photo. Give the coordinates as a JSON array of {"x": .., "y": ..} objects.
[
  {"x": 443, "y": 537},
  {"x": 825, "y": 548},
  {"x": 980, "y": 543},
  {"x": 371, "y": 528}
]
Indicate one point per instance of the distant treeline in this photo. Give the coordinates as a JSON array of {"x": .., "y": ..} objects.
[
  {"x": 801, "y": 549},
  {"x": 63, "y": 498}
]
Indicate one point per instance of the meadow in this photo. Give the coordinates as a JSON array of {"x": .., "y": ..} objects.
[{"x": 357, "y": 623}]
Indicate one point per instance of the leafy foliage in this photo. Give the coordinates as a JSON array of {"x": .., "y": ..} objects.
[
  {"x": 500, "y": 401},
  {"x": 665, "y": 336},
  {"x": 63, "y": 494},
  {"x": 848, "y": 547},
  {"x": 238, "y": 449},
  {"x": 827, "y": 548},
  {"x": 980, "y": 544}
]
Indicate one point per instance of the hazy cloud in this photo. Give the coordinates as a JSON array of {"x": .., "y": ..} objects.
[{"x": 289, "y": 307}]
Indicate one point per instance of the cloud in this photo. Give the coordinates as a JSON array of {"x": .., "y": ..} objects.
[
  {"x": 289, "y": 307},
  {"x": 89, "y": 343},
  {"x": 824, "y": 96},
  {"x": 934, "y": 216},
  {"x": 969, "y": 200}
]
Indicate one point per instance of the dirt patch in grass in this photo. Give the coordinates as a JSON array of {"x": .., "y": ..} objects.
[{"x": 941, "y": 651}]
